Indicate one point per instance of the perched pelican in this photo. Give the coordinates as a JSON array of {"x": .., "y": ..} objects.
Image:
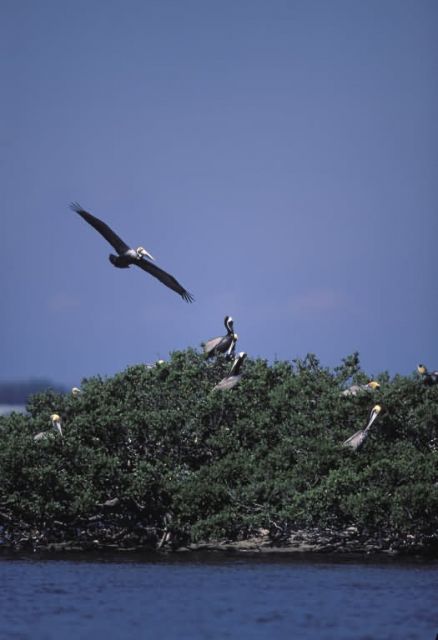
[
  {"x": 155, "y": 364},
  {"x": 56, "y": 428},
  {"x": 234, "y": 376},
  {"x": 76, "y": 392},
  {"x": 224, "y": 344},
  {"x": 358, "y": 388},
  {"x": 357, "y": 439},
  {"x": 127, "y": 256},
  {"x": 428, "y": 378}
]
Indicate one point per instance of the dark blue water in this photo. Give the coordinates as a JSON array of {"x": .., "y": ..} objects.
[{"x": 228, "y": 597}]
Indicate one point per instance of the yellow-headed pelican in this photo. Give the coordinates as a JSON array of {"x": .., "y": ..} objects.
[
  {"x": 127, "y": 256},
  {"x": 357, "y": 439},
  {"x": 56, "y": 428},
  {"x": 429, "y": 378},
  {"x": 356, "y": 389},
  {"x": 224, "y": 344},
  {"x": 234, "y": 376}
]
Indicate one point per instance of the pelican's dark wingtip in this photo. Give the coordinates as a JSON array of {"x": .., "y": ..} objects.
[
  {"x": 187, "y": 297},
  {"x": 75, "y": 206}
]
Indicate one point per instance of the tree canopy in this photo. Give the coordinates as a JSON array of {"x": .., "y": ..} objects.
[{"x": 153, "y": 457}]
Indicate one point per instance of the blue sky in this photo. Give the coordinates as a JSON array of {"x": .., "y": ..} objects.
[{"x": 279, "y": 158}]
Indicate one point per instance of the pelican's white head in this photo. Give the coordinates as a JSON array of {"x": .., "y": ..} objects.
[
  {"x": 75, "y": 392},
  {"x": 142, "y": 253}
]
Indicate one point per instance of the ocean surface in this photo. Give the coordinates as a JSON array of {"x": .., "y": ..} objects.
[{"x": 210, "y": 596}]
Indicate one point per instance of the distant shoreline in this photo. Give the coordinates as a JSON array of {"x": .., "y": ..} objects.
[{"x": 6, "y": 409}]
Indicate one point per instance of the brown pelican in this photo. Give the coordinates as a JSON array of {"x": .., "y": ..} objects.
[
  {"x": 357, "y": 439},
  {"x": 224, "y": 344},
  {"x": 56, "y": 428},
  {"x": 153, "y": 365},
  {"x": 428, "y": 378},
  {"x": 127, "y": 256},
  {"x": 358, "y": 388},
  {"x": 234, "y": 376}
]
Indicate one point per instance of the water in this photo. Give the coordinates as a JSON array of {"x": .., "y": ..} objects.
[{"x": 194, "y": 598}]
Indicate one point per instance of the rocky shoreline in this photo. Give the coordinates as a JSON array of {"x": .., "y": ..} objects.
[
  {"x": 330, "y": 542},
  {"x": 313, "y": 541}
]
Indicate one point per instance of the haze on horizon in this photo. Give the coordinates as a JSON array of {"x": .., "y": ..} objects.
[{"x": 279, "y": 159}]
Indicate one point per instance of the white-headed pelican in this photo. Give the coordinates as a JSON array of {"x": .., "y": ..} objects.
[
  {"x": 127, "y": 256},
  {"x": 223, "y": 344}
]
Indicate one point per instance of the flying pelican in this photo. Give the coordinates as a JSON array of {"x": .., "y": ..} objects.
[
  {"x": 224, "y": 344},
  {"x": 358, "y": 388},
  {"x": 357, "y": 439},
  {"x": 428, "y": 378},
  {"x": 56, "y": 428},
  {"x": 127, "y": 256},
  {"x": 234, "y": 376}
]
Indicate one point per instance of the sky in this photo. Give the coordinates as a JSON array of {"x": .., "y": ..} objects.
[{"x": 279, "y": 158}]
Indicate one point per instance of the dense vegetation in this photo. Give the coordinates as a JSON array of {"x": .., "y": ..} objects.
[{"x": 152, "y": 457}]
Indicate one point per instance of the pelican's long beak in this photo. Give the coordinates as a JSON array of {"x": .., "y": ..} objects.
[
  {"x": 232, "y": 345},
  {"x": 145, "y": 254},
  {"x": 374, "y": 413}
]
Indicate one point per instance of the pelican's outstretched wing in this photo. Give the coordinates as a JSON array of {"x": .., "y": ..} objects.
[
  {"x": 164, "y": 277},
  {"x": 114, "y": 240}
]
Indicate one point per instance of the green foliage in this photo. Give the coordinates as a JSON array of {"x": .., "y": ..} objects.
[{"x": 154, "y": 450}]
